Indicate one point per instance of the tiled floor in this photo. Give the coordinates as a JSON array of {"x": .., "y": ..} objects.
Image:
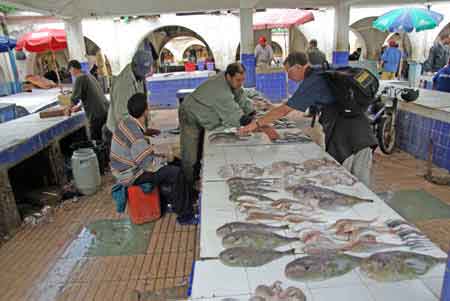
[{"x": 34, "y": 266}]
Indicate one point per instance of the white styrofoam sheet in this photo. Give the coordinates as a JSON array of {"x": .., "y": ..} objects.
[{"x": 218, "y": 210}]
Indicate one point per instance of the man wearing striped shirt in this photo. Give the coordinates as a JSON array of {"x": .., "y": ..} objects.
[{"x": 133, "y": 160}]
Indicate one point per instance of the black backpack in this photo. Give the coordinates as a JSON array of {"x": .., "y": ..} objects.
[{"x": 354, "y": 89}]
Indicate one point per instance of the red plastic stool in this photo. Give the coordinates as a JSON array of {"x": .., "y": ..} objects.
[{"x": 143, "y": 207}]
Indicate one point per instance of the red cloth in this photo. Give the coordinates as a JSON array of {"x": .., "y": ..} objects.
[{"x": 43, "y": 40}]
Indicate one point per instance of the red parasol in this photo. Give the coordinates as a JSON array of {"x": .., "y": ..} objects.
[
  {"x": 281, "y": 18},
  {"x": 42, "y": 40}
]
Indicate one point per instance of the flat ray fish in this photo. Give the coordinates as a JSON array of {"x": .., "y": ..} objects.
[
  {"x": 320, "y": 267},
  {"x": 256, "y": 239},
  {"x": 240, "y": 226},
  {"x": 250, "y": 257},
  {"x": 327, "y": 199},
  {"x": 398, "y": 265}
]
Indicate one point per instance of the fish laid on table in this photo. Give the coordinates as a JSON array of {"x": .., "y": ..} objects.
[
  {"x": 291, "y": 218},
  {"x": 398, "y": 265},
  {"x": 334, "y": 178},
  {"x": 240, "y": 170},
  {"x": 276, "y": 293},
  {"x": 327, "y": 199},
  {"x": 298, "y": 137},
  {"x": 258, "y": 186},
  {"x": 250, "y": 257},
  {"x": 352, "y": 233},
  {"x": 290, "y": 205},
  {"x": 368, "y": 244},
  {"x": 320, "y": 267},
  {"x": 224, "y": 138},
  {"x": 315, "y": 164},
  {"x": 256, "y": 239},
  {"x": 284, "y": 168},
  {"x": 341, "y": 223},
  {"x": 245, "y": 196},
  {"x": 240, "y": 226}
]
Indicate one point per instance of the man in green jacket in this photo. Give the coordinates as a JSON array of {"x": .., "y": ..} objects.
[
  {"x": 220, "y": 102},
  {"x": 129, "y": 82}
]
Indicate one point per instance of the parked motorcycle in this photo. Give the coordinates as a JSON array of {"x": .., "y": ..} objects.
[{"x": 383, "y": 114}]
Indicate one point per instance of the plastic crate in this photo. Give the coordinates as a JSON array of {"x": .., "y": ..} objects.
[{"x": 143, "y": 207}]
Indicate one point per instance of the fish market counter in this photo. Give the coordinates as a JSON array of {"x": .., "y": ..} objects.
[
  {"x": 32, "y": 102},
  {"x": 163, "y": 87},
  {"x": 24, "y": 138},
  {"x": 315, "y": 232},
  {"x": 427, "y": 119}
]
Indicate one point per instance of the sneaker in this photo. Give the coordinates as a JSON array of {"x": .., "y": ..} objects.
[{"x": 188, "y": 219}]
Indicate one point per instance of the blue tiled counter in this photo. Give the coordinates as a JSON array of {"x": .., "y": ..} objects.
[
  {"x": 272, "y": 83},
  {"x": 427, "y": 119},
  {"x": 163, "y": 87},
  {"x": 7, "y": 112},
  {"x": 416, "y": 129}
]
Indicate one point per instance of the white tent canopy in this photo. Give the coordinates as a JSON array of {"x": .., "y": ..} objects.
[{"x": 92, "y": 8}]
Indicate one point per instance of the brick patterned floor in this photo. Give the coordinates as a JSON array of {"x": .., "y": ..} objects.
[{"x": 33, "y": 265}]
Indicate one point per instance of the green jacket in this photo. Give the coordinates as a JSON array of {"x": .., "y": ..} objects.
[
  {"x": 215, "y": 104},
  {"x": 123, "y": 87}
]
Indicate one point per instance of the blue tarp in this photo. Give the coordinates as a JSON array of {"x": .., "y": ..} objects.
[{"x": 7, "y": 43}]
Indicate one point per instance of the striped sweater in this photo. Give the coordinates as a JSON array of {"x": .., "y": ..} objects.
[{"x": 131, "y": 154}]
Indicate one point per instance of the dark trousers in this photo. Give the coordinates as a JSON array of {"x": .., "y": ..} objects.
[
  {"x": 173, "y": 188},
  {"x": 96, "y": 126}
]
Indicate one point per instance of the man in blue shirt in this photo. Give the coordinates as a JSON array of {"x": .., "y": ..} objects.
[
  {"x": 390, "y": 61},
  {"x": 441, "y": 80},
  {"x": 348, "y": 140}
]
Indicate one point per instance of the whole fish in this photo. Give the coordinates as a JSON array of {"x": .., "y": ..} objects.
[
  {"x": 222, "y": 138},
  {"x": 292, "y": 218},
  {"x": 250, "y": 257},
  {"x": 320, "y": 267},
  {"x": 328, "y": 199},
  {"x": 246, "y": 196},
  {"x": 276, "y": 293},
  {"x": 368, "y": 245},
  {"x": 398, "y": 265},
  {"x": 334, "y": 178},
  {"x": 354, "y": 222},
  {"x": 292, "y": 205},
  {"x": 239, "y": 226},
  {"x": 240, "y": 170},
  {"x": 315, "y": 164},
  {"x": 256, "y": 239},
  {"x": 354, "y": 233},
  {"x": 283, "y": 168}
]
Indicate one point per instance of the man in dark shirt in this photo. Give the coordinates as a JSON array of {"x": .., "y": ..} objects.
[
  {"x": 87, "y": 90},
  {"x": 348, "y": 140}
]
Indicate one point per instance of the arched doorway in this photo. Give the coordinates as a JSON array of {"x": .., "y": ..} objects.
[
  {"x": 199, "y": 50},
  {"x": 162, "y": 36},
  {"x": 371, "y": 38}
]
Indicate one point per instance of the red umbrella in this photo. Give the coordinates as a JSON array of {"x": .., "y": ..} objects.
[
  {"x": 43, "y": 40},
  {"x": 281, "y": 18}
]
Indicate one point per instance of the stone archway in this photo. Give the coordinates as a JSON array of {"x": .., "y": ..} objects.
[
  {"x": 161, "y": 36},
  {"x": 373, "y": 38}
]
